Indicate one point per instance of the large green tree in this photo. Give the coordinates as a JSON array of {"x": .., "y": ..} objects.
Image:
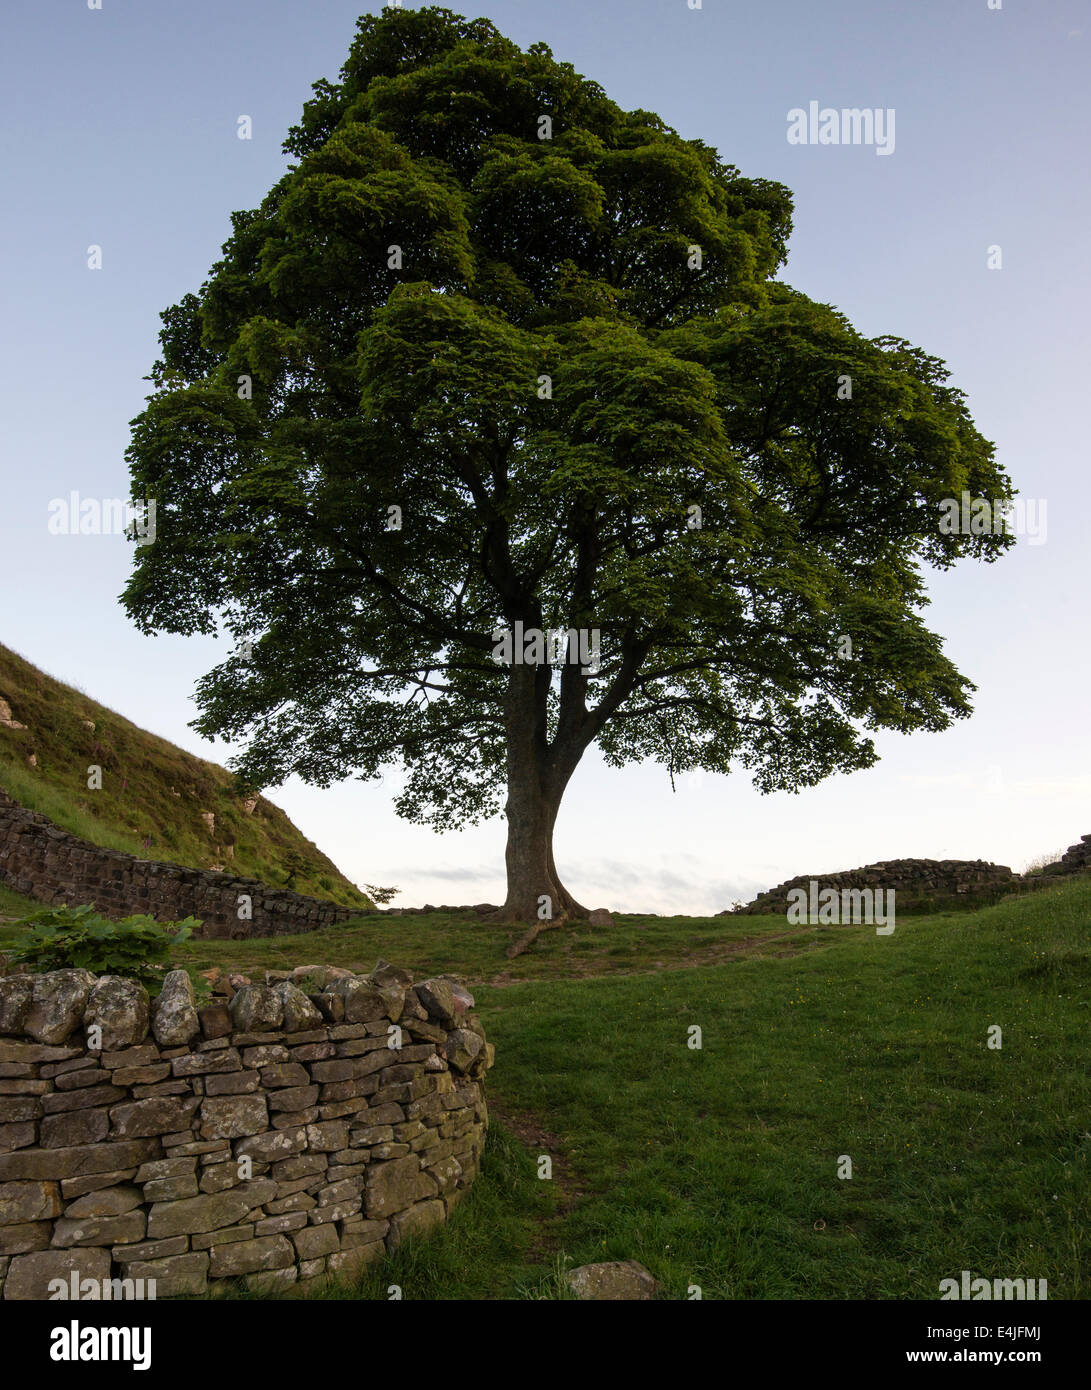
[{"x": 496, "y": 352}]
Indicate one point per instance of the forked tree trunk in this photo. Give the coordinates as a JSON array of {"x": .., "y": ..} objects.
[{"x": 536, "y": 896}]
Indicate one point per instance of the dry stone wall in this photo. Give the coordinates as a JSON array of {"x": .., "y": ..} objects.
[
  {"x": 48, "y": 864},
  {"x": 918, "y": 883},
  {"x": 1074, "y": 860},
  {"x": 280, "y": 1138}
]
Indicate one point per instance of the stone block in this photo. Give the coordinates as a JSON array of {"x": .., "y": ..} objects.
[
  {"x": 277, "y": 1144},
  {"x": 251, "y": 1256},
  {"x": 285, "y": 1074},
  {"x": 282, "y": 1222},
  {"x": 100, "y": 1230},
  {"x": 233, "y": 1084},
  {"x": 206, "y": 1063},
  {"x": 416, "y": 1220},
  {"x": 57, "y": 1005},
  {"x": 16, "y": 994},
  {"x": 26, "y": 1236},
  {"x": 107, "y": 1201},
  {"x": 168, "y": 1189},
  {"x": 336, "y": 1211},
  {"x": 120, "y": 1008},
  {"x": 158, "y": 1115},
  {"x": 29, "y": 1201},
  {"x": 347, "y": 1263},
  {"x": 256, "y": 1008},
  {"x": 192, "y": 1215},
  {"x": 357, "y": 1232},
  {"x": 77, "y": 1162},
  {"x": 215, "y": 1021},
  {"x": 18, "y": 1136},
  {"x": 314, "y": 1241},
  {"x": 94, "y": 1182},
  {"x": 177, "y": 1276},
  {"x": 75, "y": 1127},
  {"x": 81, "y": 1078},
  {"x": 30, "y": 1276},
  {"x": 268, "y": 1055},
  {"x": 141, "y": 1076},
  {"x": 19, "y": 1108},
  {"x": 175, "y": 1022},
  {"x": 395, "y": 1185},
  {"x": 234, "y": 1117},
  {"x": 151, "y": 1249},
  {"x": 295, "y": 1201},
  {"x": 327, "y": 1135},
  {"x": 206, "y": 1239},
  {"x": 293, "y": 1098}
]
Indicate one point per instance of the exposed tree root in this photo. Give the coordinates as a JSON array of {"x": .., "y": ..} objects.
[{"x": 518, "y": 947}]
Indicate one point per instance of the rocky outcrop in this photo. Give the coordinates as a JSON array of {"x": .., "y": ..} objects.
[
  {"x": 1075, "y": 859},
  {"x": 7, "y": 721},
  {"x": 306, "y": 1138}
]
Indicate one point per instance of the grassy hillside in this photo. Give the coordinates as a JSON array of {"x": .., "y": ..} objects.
[
  {"x": 154, "y": 797},
  {"x": 719, "y": 1167}
]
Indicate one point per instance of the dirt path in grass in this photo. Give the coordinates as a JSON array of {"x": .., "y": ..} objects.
[
  {"x": 538, "y": 1140},
  {"x": 710, "y": 955}
]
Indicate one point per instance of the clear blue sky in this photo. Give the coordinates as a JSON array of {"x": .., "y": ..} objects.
[{"x": 119, "y": 130}]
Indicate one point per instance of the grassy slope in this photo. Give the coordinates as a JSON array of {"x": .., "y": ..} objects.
[
  {"x": 718, "y": 1167},
  {"x": 14, "y": 904},
  {"x": 152, "y": 793}
]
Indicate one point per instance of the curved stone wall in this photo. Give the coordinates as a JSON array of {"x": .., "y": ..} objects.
[{"x": 280, "y": 1138}]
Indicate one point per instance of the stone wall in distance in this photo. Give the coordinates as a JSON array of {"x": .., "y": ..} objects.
[
  {"x": 44, "y": 862},
  {"x": 920, "y": 884},
  {"x": 1075, "y": 859}
]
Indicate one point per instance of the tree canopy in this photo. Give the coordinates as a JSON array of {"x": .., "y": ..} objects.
[{"x": 494, "y": 351}]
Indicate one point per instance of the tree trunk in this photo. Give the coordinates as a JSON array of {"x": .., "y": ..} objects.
[
  {"x": 532, "y": 889},
  {"x": 535, "y": 894},
  {"x": 571, "y": 907}
]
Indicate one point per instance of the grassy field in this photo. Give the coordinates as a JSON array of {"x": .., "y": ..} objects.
[
  {"x": 463, "y": 944},
  {"x": 718, "y": 1167}
]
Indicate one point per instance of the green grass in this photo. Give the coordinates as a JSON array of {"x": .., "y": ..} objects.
[
  {"x": 13, "y": 904},
  {"x": 23, "y": 785},
  {"x": 715, "y": 1167},
  {"x": 718, "y": 1167},
  {"x": 438, "y": 942},
  {"x": 153, "y": 794}
]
